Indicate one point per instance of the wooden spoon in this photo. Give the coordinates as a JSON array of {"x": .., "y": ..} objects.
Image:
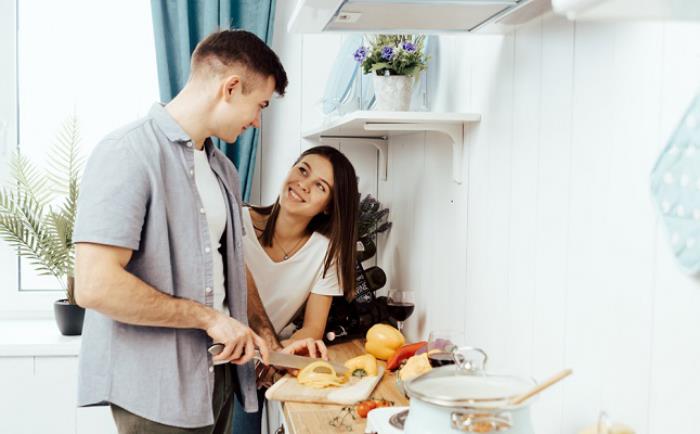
[{"x": 540, "y": 387}]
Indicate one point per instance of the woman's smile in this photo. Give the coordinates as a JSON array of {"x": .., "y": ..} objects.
[{"x": 293, "y": 195}]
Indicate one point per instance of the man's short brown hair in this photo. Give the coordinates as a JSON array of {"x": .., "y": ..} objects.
[{"x": 226, "y": 48}]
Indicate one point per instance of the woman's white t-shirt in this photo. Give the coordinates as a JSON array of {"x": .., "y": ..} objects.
[{"x": 285, "y": 286}]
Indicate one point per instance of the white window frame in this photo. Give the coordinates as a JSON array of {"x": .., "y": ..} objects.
[{"x": 14, "y": 303}]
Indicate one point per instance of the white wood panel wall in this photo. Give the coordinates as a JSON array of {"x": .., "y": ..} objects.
[
  {"x": 564, "y": 261},
  {"x": 549, "y": 255}
]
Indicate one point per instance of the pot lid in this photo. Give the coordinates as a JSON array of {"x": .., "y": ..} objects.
[
  {"x": 457, "y": 386},
  {"x": 448, "y": 387}
]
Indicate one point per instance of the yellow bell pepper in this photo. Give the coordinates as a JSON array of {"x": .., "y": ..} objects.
[
  {"x": 361, "y": 366},
  {"x": 383, "y": 340}
]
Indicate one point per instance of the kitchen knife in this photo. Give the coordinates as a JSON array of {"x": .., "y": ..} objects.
[
  {"x": 299, "y": 362},
  {"x": 283, "y": 360}
]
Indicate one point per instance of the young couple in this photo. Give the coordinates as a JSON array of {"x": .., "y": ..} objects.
[{"x": 169, "y": 262}]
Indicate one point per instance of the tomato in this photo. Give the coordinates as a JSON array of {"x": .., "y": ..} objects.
[
  {"x": 365, "y": 406},
  {"x": 383, "y": 403}
]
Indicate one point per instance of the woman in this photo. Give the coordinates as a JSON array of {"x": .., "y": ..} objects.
[{"x": 301, "y": 250}]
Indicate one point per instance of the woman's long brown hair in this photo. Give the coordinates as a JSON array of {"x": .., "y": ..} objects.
[{"x": 339, "y": 225}]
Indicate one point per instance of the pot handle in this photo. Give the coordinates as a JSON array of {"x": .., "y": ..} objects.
[
  {"x": 469, "y": 364},
  {"x": 480, "y": 421}
]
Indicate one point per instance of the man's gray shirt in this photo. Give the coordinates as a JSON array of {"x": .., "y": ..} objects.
[{"x": 138, "y": 192}]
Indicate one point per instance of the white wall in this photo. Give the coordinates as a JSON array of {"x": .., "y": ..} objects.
[
  {"x": 566, "y": 264},
  {"x": 549, "y": 255}
]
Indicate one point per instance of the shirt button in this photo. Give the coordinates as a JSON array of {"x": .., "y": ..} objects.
[
  {"x": 189, "y": 144},
  {"x": 201, "y": 210},
  {"x": 211, "y": 369},
  {"x": 208, "y": 290},
  {"x": 191, "y": 172},
  {"x": 207, "y": 249}
]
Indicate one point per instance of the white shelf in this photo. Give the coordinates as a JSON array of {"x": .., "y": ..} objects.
[{"x": 375, "y": 128}]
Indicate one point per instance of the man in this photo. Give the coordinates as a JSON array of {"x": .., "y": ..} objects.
[{"x": 158, "y": 252}]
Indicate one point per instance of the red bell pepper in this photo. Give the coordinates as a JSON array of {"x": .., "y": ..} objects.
[{"x": 402, "y": 354}]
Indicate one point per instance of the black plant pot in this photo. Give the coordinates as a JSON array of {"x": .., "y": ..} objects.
[{"x": 69, "y": 317}]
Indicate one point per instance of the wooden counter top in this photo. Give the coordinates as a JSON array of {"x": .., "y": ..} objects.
[{"x": 304, "y": 418}]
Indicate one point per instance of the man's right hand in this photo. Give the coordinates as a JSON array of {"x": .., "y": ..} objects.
[{"x": 239, "y": 341}]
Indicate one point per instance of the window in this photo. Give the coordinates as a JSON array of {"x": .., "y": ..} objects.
[{"x": 92, "y": 59}]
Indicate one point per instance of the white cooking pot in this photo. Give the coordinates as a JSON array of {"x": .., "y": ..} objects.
[{"x": 465, "y": 398}]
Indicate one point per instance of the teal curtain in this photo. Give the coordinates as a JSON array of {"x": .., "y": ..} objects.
[{"x": 179, "y": 25}]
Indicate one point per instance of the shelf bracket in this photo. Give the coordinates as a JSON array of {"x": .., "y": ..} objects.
[
  {"x": 454, "y": 131},
  {"x": 379, "y": 142}
]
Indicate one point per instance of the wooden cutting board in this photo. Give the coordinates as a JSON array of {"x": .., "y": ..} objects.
[
  {"x": 309, "y": 418},
  {"x": 288, "y": 389}
]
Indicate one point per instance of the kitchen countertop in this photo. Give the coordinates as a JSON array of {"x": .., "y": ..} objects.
[
  {"x": 306, "y": 418},
  {"x": 41, "y": 338}
]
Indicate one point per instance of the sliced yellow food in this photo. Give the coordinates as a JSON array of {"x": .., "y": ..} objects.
[
  {"x": 415, "y": 366},
  {"x": 319, "y": 375}
]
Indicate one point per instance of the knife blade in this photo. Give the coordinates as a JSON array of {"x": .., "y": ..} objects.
[
  {"x": 299, "y": 362},
  {"x": 282, "y": 360}
]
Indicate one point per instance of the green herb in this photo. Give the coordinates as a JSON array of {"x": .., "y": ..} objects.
[{"x": 339, "y": 421}]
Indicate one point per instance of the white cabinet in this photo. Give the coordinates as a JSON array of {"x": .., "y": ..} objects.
[
  {"x": 273, "y": 419},
  {"x": 39, "y": 382},
  {"x": 39, "y": 395},
  {"x": 39, "y": 385}
]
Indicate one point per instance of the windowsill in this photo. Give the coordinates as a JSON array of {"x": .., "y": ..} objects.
[{"x": 35, "y": 337}]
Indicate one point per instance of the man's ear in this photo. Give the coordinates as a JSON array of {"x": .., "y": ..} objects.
[{"x": 232, "y": 85}]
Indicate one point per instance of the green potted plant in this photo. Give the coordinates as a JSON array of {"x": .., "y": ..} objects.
[
  {"x": 396, "y": 60},
  {"x": 372, "y": 220},
  {"x": 37, "y": 214}
]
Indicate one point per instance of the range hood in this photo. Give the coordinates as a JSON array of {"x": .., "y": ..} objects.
[
  {"x": 684, "y": 10},
  {"x": 314, "y": 16}
]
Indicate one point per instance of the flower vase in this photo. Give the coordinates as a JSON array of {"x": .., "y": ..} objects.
[{"x": 393, "y": 92}]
